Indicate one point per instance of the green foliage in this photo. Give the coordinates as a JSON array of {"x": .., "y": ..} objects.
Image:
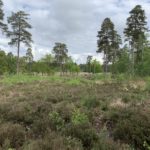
[
  {"x": 93, "y": 66},
  {"x": 79, "y": 118},
  {"x": 143, "y": 67},
  {"x": 96, "y": 67},
  {"x": 122, "y": 77},
  {"x": 46, "y": 65},
  {"x": 88, "y": 64},
  {"x": 122, "y": 64},
  {"x": 74, "y": 82},
  {"x": 147, "y": 87},
  {"x": 11, "y": 63},
  {"x": 8, "y": 63},
  {"x": 43, "y": 68},
  {"x": 56, "y": 120},
  {"x": 74, "y": 68},
  {"x": 90, "y": 102},
  {"x": 147, "y": 146},
  {"x": 23, "y": 78},
  {"x": 71, "y": 67},
  {"x": 102, "y": 77},
  {"x": 3, "y": 64}
]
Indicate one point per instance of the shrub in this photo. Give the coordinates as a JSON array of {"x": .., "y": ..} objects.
[
  {"x": 40, "y": 127},
  {"x": 74, "y": 82},
  {"x": 25, "y": 112},
  {"x": 12, "y": 134},
  {"x": 90, "y": 102},
  {"x": 147, "y": 84},
  {"x": 79, "y": 118},
  {"x": 147, "y": 146},
  {"x": 126, "y": 98},
  {"x": 84, "y": 133},
  {"x": 106, "y": 143},
  {"x": 53, "y": 141},
  {"x": 65, "y": 109},
  {"x": 57, "y": 122},
  {"x": 131, "y": 126}
]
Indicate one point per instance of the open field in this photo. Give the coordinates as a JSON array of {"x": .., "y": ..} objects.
[{"x": 77, "y": 113}]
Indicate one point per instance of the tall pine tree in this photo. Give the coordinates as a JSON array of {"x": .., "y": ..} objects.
[
  {"x": 108, "y": 42},
  {"x": 2, "y": 25},
  {"x": 19, "y": 34},
  {"x": 135, "y": 33},
  {"x": 61, "y": 54}
]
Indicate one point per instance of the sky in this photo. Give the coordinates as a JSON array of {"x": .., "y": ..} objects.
[{"x": 73, "y": 22}]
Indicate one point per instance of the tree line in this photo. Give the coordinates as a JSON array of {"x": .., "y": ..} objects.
[
  {"x": 17, "y": 29},
  {"x": 133, "y": 58}
]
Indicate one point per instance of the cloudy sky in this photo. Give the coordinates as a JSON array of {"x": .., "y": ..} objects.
[{"x": 74, "y": 22}]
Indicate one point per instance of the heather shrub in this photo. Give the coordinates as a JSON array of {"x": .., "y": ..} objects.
[
  {"x": 57, "y": 123},
  {"x": 131, "y": 126},
  {"x": 12, "y": 135}
]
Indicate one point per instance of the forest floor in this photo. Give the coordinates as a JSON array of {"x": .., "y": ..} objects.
[{"x": 74, "y": 113}]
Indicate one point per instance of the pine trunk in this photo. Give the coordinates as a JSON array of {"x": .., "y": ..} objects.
[{"x": 18, "y": 52}]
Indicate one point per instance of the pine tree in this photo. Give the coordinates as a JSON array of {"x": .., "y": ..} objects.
[
  {"x": 108, "y": 42},
  {"x": 134, "y": 32},
  {"x": 29, "y": 57},
  {"x": 88, "y": 63},
  {"x": 2, "y": 25},
  {"x": 60, "y": 51},
  {"x": 115, "y": 45},
  {"x": 19, "y": 34}
]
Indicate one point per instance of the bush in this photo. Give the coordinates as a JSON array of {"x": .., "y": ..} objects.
[
  {"x": 25, "y": 112},
  {"x": 12, "y": 134},
  {"x": 131, "y": 126},
  {"x": 121, "y": 77},
  {"x": 106, "y": 143},
  {"x": 147, "y": 84},
  {"x": 84, "y": 133},
  {"x": 142, "y": 69},
  {"x": 53, "y": 141},
  {"x": 74, "y": 82},
  {"x": 40, "y": 127},
  {"x": 65, "y": 109},
  {"x": 91, "y": 102},
  {"x": 56, "y": 120},
  {"x": 79, "y": 118},
  {"x": 147, "y": 146}
]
